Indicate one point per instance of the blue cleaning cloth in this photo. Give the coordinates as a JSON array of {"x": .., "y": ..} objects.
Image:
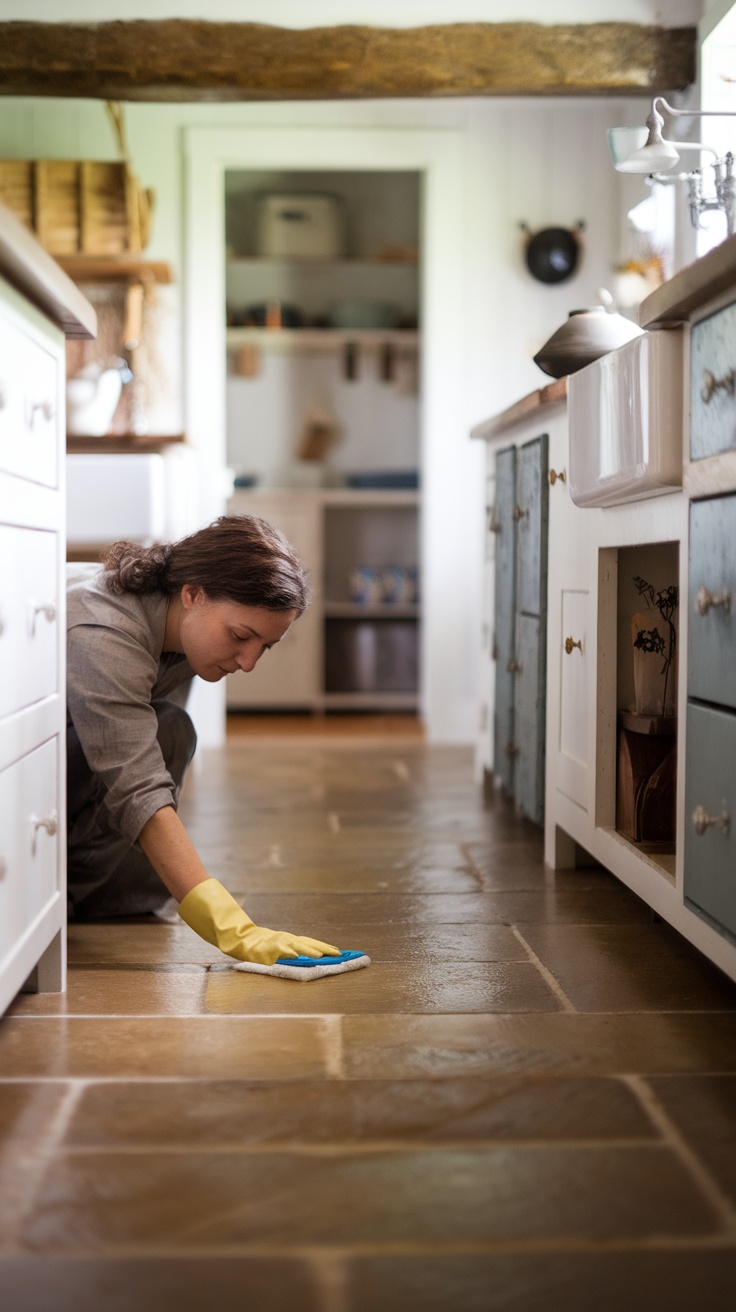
[
  {"x": 319, "y": 961},
  {"x": 307, "y": 969}
]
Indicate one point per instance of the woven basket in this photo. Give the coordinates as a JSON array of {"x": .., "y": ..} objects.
[{"x": 91, "y": 207}]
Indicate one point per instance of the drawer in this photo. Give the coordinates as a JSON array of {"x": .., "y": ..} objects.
[
  {"x": 29, "y": 617},
  {"x": 710, "y": 816},
  {"x": 31, "y": 406},
  {"x": 713, "y": 384},
  {"x": 29, "y": 841},
  {"x": 712, "y": 601}
]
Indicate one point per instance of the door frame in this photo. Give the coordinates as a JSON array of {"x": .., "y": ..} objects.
[{"x": 450, "y": 463}]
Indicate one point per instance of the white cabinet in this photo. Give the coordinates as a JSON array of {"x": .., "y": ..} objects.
[
  {"x": 32, "y": 611},
  {"x": 569, "y": 753}
]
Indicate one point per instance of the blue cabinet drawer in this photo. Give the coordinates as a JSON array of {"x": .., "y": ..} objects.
[
  {"x": 712, "y": 601},
  {"x": 713, "y": 384},
  {"x": 710, "y": 816}
]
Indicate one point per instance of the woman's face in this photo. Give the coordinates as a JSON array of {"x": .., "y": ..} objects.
[{"x": 220, "y": 637}]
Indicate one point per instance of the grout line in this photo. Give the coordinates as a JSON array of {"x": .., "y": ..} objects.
[
  {"x": 333, "y": 822},
  {"x": 43, "y": 1155},
  {"x": 696, "y": 1169},
  {"x": 332, "y": 1280},
  {"x": 356, "y": 1148},
  {"x": 334, "y": 1052},
  {"x": 546, "y": 974},
  {"x": 677, "y": 1243}
]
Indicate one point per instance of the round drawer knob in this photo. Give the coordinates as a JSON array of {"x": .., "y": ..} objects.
[
  {"x": 711, "y": 385},
  {"x": 36, "y": 608},
  {"x": 571, "y": 644},
  {"x": 706, "y": 600},
  {"x": 554, "y": 477},
  {"x": 702, "y": 821},
  {"x": 50, "y": 823},
  {"x": 3, "y": 867},
  {"x": 519, "y": 513}
]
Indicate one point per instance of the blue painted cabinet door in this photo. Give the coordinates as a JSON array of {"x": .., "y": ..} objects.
[
  {"x": 710, "y": 816},
  {"x": 532, "y": 490},
  {"x": 504, "y": 636}
]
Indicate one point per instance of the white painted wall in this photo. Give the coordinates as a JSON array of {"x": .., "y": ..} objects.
[
  {"x": 542, "y": 161},
  {"x": 317, "y": 13}
]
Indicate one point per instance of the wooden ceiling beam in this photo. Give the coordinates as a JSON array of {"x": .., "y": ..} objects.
[{"x": 181, "y": 60}]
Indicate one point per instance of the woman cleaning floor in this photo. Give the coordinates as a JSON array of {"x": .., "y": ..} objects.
[{"x": 140, "y": 626}]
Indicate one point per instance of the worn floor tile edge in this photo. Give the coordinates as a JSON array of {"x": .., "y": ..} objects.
[
  {"x": 544, "y": 971},
  {"x": 696, "y": 1169},
  {"x": 355, "y": 1148},
  {"x": 44, "y": 1155}
]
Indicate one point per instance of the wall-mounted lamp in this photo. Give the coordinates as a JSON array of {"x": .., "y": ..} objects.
[{"x": 644, "y": 150}]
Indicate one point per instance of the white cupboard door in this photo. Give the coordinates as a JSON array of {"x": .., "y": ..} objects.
[
  {"x": 29, "y": 619},
  {"x": 29, "y": 842},
  {"x": 31, "y": 407},
  {"x": 571, "y": 775}
]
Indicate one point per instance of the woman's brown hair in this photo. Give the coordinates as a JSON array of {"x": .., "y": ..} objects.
[{"x": 239, "y": 558}]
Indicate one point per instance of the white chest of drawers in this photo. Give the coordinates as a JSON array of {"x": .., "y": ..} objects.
[{"x": 38, "y": 305}]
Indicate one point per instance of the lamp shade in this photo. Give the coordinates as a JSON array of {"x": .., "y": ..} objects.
[
  {"x": 622, "y": 142},
  {"x": 654, "y": 157}
]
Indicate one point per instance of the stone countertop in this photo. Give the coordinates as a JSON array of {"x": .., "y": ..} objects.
[
  {"x": 533, "y": 405},
  {"x": 693, "y": 286},
  {"x": 32, "y": 271}
]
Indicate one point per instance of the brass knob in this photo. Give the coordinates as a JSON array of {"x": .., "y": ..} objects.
[
  {"x": 513, "y": 667},
  {"x": 570, "y": 645},
  {"x": 511, "y": 749},
  {"x": 711, "y": 385},
  {"x": 554, "y": 477},
  {"x": 706, "y": 599},
  {"x": 519, "y": 513},
  {"x": 702, "y": 821}
]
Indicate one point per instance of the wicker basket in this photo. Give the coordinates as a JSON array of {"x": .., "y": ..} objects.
[{"x": 92, "y": 207}]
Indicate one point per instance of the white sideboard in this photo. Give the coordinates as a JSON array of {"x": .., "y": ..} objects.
[
  {"x": 38, "y": 307},
  {"x": 682, "y": 538}
]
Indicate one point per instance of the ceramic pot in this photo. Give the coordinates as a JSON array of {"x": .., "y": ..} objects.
[
  {"x": 585, "y": 336},
  {"x": 92, "y": 399}
]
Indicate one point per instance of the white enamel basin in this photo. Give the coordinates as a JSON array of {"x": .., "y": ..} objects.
[{"x": 626, "y": 422}]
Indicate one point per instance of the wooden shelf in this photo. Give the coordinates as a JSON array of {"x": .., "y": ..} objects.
[
  {"x": 353, "y": 610},
  {"x": 114, "y": 268},
  {"x": 120, "y": 443},
  {"x": 317, "y": 341}
]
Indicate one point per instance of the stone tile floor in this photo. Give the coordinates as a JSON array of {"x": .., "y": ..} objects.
[{"x": 527, "y": 1102}]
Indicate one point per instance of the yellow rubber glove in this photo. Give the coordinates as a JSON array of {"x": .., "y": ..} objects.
[{"x": 214, "y": 914}]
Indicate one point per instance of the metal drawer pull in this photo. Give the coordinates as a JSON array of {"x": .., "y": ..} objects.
[
  {"x": 570, "y": 645},
  {"x": 35, "y": 608},
  {"x": 702, "y": 821},
  {"x": 519, "y": 513},
  {"x": 47, "y": 408},
  {"x": 48, "y": 822},
  {"x": 554, "y": 477},
  {"x": 705, "y": 599},
  {"x": 511, "y": 749},
  {"x": 3, "y": 867},
  {"x": 513, "y": 667},
  {"x": 711, "y": 385}
]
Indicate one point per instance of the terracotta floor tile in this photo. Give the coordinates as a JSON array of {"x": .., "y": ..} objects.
[
  {"x": 703, "y": 1107},
  {"x": 630, "y": 968},
  {"x": 194, "y": 1046},
  {"x": 129, "y": 944},
  {"x": 191, "y": 1201},
  {"x": 220, "y": 1113},
  {"x": 440, "y": 1046},
  {"x": 336, "y": 880},
  {"x": 305, "y": 913},
  {"x": 177, "y": 991},
  {"x": 181, "y": 1284},
  {"x": 672, "y": 1281},
  {"x": 447, "y": 987},
  {"x": 27, "y": 1112}
]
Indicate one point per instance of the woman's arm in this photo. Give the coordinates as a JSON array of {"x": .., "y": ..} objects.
[
  {"x": 207, "y": 907},
  {"x": 172, "y": 853}
]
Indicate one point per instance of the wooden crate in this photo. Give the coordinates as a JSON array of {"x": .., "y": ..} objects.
[{"x": 78, "y": 206}]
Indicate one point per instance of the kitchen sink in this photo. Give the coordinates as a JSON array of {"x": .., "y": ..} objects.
[{"x": 625, "y": 410}]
